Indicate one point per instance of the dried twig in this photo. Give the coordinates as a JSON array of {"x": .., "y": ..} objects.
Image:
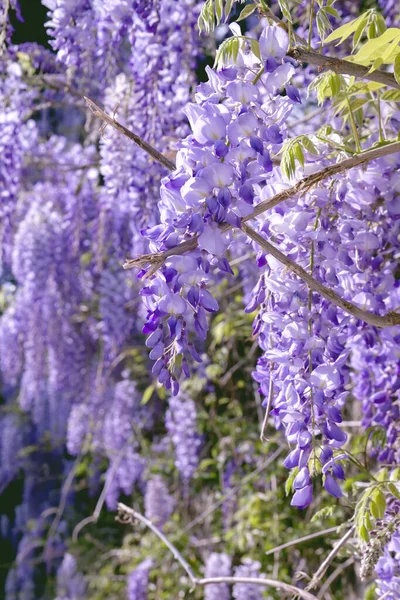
[
  {"x": 311, "y": 536},
  {"x": 344, "y": 67},
  {"x": 333, "y": 576},
  {"x": 129, "y": 515},
  {"x": 98, "y": 112},
  {"x": 324, "y": 566}
]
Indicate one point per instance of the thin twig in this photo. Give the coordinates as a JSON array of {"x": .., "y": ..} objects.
[
  {"x": 388, "y": 320},
  {"x": 63, "y": 498},
  {"x": 158, "y": 156},
  {"x": 263, "y": 581},
  {"x": 344, "y": 67},
  {"x": 52, "y": 81},
  {"x": 311, "y": 536},
  {"x": 324, "y": 566},
  {"x": 333, "y": 576},
  {"x": 109, "y": 479},
  {"x": 129, "y": 515}
]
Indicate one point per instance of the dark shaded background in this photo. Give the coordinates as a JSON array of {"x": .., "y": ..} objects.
[{"x": 32, "y": 29}]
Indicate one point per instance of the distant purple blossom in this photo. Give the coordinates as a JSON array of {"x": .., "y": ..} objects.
[
  {"x": 217, "y": 565},
  {"x": 181, "y": 423},
  {"x": 248, "y": 591},
  {"x": 70, "y": 582},
  {"x": 158, "y": 503},
  {"x": 138, "y": 581}
]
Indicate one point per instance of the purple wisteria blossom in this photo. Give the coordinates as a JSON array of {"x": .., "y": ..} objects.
[
  {"x": 248, "y": 591},
  {"x": 181, "y": 423},
  {"x": 221, "y": 166},
  {"x": 138, "y": 581},
  {"x": 158, "y": 503},
  {"x": 217, "y": 565},
  {"x": 70, "y": 582}
]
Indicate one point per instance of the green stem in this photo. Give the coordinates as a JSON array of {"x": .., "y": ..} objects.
[
  {"x": 380, "y": 124},
  {"x": 359, "y": 464},
  {"x": 257, "y": 77},
  {"x": 353, "y": 125},
  {"x": 312, "y": 12}
]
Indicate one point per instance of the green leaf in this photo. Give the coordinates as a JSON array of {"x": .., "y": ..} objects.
[
  {"x": 323, "y": 513},
  {"x": 378, "y": 498},
  {"x": 228, "y": 8},
  {"x": 345, "y": 31},
  {"x": 332, "y": 11},
  {"x": 218, "y": 10},
  {"x": 285, "y": 9},
  {"x": 290, "y": 480},
  {"x": 367, "y": 521},
  {"x": 246, "y": 12},
  {"x": 374, "y": 509},
  {"x": 393, "y": 490},
  {"x": 396, "y": 66},
  {"x": 147, "y": 394},
  {"x": 391, "y": 96},
  {"x": 363, "y": 533},
  {"x": 377, "y": 47}
]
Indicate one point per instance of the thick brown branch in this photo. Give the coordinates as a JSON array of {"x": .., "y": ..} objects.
[
  {"x": 129, "y": 515},
  {"x": 305, "y": 184},
  {"x": 344, "y": 67},
  {"x": 156, "y": 260},
  {"x": 301, "y": 187},
  {"x": 98, "y": 112},
  {"x": 364, "y": 315}
]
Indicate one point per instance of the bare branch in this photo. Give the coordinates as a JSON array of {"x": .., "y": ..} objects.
[
  {"x": 263, "y": 581},
  {"x": 344, "y": 67},
  {"x": 129, "y": 515},
  {"x": 333, "y": 576},
  {"x": 388, "y": 320},
  {"x": 311, "y": 536},
  {"x": 158, "y": 156},
  {"x": 324, "y": 566}
]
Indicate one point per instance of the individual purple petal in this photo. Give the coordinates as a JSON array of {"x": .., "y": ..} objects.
[
  {"x": 302, "y": 479},
  {"x": 302, "y": 498},
  {"x": 293, "y": 93},
  {"x": 207, "y": 301},
  {"x": 332, "y": 486},
  {"x": 274, "y": 41},
  {"x": 211, "y": 240},
  {"x": 172, "y": 304}
]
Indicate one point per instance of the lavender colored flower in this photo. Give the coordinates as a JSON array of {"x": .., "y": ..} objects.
[
  {"x": 181, "y": 423},
  {"x": 248, "y": 591},
  {"x": 159, "y": 505},
  {"x": 217, "y": 565},
  {"x": 70, "y": 582},
  {"x": 138, "y": 581}
]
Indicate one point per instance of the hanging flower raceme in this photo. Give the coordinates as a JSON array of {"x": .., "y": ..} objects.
[{"x": 237, "y": 124}]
